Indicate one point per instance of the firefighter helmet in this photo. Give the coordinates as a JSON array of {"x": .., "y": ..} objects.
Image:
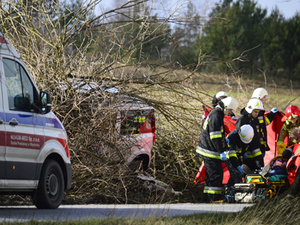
[
  {"x": 254, "y": 104},
  {"x": 230, "y": 103},
  {"x": 221, "y": 95},
  {"x": 291, "y": 112},
  {"x": 260, "y": 93},
  {"x": 246, "y": 133}
]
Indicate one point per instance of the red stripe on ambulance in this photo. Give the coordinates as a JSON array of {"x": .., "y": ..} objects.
[
  {"x": 21, "y": 140},
  {"x": 31, "y": 141},
  {"x": 2, "y": 40}
]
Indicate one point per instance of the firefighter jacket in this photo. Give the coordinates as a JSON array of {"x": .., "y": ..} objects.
[
  {"x": 237, "y": 149},
  {"x": 247, "y": 118},
  {"x": 212, "y": 138},
  {"x": 263, "y": 122},
  {"x": 286, "y": 129}
]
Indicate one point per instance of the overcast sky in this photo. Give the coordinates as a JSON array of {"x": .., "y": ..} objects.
[{"x": 287, "y": 7}]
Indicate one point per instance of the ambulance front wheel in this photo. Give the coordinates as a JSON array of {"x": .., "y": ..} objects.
[{"x": 50, "y": 190}]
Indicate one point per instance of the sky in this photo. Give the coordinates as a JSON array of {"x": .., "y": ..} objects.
[{"x": 287, "y": 7}]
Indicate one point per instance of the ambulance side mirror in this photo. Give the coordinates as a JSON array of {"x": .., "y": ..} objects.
[{"x": 45, "y": 102}]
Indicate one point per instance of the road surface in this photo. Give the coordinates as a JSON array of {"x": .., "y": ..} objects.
[{"x": 73, "y": 212}]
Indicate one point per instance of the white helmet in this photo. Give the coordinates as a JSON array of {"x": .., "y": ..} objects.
[
  {"x": 254, "y": 103},
  {"x": 260, "y": 93},
  {"x": 221, "y": 94},
  {"x": 246, "y": 133},
  {"x": 230, "y": 103}
]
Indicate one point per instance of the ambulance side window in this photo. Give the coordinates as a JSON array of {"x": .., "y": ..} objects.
[{"x": 20, "y": 90}]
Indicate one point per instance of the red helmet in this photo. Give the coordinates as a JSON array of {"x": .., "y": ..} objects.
[{"x": 292, "y": 111}]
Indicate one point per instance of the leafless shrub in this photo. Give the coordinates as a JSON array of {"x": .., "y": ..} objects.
[{"x": 62, "y": 66}]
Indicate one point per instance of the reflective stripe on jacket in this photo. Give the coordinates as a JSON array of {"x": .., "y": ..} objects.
[
  {"x": 254, "y": 153},
  {"x": 212, "y": 138},
  {"x": 213, "y": 190},
  {"x": 237, "y": 149},
  {"x": 208, "y": 153},
  {"x": 247, "y": 118},
  {"x": 264, "y": 120}
]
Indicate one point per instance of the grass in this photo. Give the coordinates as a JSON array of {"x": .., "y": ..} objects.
[{"x": 217, "y": 218}]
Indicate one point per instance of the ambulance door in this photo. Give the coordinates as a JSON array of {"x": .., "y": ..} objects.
[
  {"x": 24, "y": 130},
  {"x": 2, "y": 129}
]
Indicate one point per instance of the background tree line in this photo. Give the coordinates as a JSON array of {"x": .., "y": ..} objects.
[{"x": 237, "y": 35}]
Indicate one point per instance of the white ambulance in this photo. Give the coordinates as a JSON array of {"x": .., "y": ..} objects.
[{"x": 34, "y": 155}]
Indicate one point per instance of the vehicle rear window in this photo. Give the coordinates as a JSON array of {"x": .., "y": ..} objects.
[{"x": 137, "y": 121}]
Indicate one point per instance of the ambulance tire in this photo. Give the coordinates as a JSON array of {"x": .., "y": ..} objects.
[{"x": 50, "y": 190}]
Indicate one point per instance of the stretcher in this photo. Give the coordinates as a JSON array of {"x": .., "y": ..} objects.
[{"x": 260, "y": 185}]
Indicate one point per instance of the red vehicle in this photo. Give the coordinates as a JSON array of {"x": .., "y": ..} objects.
[
  {"x": 133, "y": 123},
  {"x": 136, "y": 122}
]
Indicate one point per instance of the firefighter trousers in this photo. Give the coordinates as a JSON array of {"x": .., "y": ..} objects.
[{"x": 213, "y": 189}]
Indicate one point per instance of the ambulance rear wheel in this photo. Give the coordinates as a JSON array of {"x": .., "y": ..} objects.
[{"x": 50, "y": 190}]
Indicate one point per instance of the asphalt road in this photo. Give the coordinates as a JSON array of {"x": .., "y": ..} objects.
[{"x": 73, "y": 212}]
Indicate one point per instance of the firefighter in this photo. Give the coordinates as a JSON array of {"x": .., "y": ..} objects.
[
  {"x": 239, "y": 143},
  {"x": 291, "y": 120},
  {"x": 262, "y": 94},
  {"x": 249, "y": 116},
  {"x": 218, "y": 97},
  {"x": 211, "y": 149}
]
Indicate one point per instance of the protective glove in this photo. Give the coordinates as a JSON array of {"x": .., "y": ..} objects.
[
  {"x": 233, "y": 118},
  {"x": 223, "y": 156},
  {"x": 274, "y": 110},
  {"x": 281, "y": 148},
  {"x": 227, "y": 140},
  {"x": 240, "y": 169},
  {"x": 245, "y": 156}
]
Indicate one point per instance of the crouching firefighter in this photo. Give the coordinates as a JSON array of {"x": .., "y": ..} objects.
[
  {"x": 211, "y": 149},
  {"x": 239, "y": 142}
]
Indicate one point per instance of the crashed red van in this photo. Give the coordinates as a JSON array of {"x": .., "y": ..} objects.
[
  {"x": 34, "y": 154},
  {"x": 132, "y": 119},
  {"x": 137, "y": 125}
]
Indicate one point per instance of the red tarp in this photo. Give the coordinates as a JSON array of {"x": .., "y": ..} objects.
[{"x": 273, "y": 130}]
